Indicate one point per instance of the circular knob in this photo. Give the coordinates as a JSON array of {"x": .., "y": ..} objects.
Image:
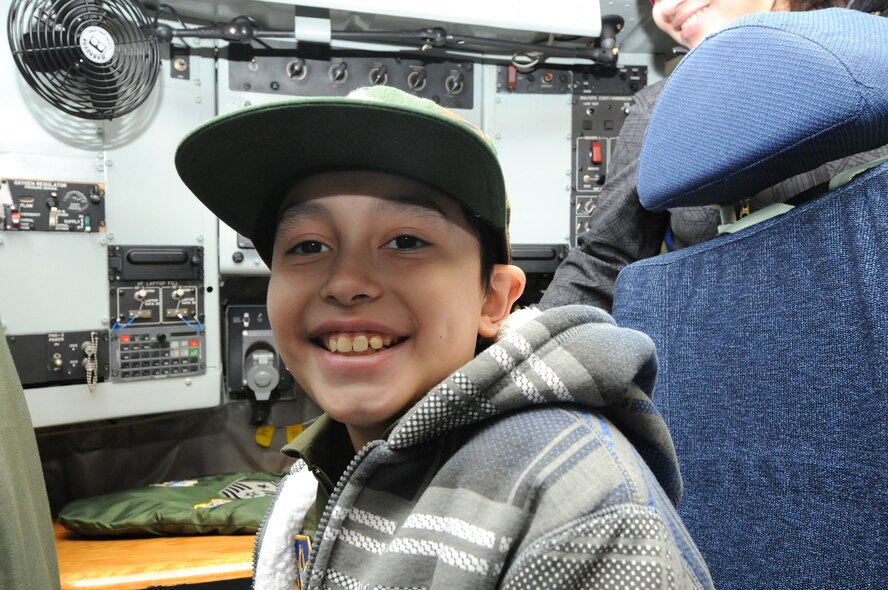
[
  {"x": 455, "y": 83},
  {"x": 297, "y": 69},
  {"x": 416, "y": 79},
  {"x": 379, "y": 76},
  {"x": 338, "y": 73}
]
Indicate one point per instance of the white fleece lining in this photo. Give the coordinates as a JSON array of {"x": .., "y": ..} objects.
[
  {"x": 276, "y": 562},
  {"x": 517, "y": 319}
]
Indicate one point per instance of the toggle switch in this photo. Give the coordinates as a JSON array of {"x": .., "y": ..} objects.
[{"x": 595, "y": 152}]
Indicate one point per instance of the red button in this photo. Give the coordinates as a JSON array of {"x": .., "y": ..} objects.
[
  {"x": 125, "y": 338},
  {"x": 193, "y": 343}
]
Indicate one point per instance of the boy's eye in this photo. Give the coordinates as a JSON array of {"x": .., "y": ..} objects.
[
  {"x": 406, "y": 242},
  {"x": 310, "y": 247}
]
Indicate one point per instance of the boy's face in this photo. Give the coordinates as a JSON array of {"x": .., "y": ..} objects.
[{"x": 380, "y": 264}]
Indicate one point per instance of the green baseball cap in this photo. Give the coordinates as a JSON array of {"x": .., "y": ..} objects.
[{"x": 241, "y": 164}]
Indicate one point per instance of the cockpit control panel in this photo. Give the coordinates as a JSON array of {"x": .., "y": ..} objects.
[
  {"x": 304, "y": 70},
  {"x": 254, "y": 366},
  {"x": 156, "y": 303},
  {"x": 41, "y": 205}
]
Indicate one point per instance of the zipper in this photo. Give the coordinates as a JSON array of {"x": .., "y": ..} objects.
[{"x": 331, "y": 502}]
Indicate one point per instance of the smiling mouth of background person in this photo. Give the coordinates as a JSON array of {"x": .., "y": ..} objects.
[{"x": 693, "y": 18}]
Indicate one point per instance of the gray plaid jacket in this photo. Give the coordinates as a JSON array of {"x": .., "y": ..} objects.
[{"x": 539, "y": 464}]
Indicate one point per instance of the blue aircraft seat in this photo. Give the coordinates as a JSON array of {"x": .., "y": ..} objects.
[{"x": 773, "y": 338}]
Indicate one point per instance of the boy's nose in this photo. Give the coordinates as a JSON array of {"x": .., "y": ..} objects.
[{"x": 351, "y": 282}]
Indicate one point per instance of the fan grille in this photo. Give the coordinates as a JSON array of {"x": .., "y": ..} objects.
[{"x": 94, "y": 59}]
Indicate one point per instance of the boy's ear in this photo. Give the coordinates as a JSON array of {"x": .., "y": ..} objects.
[{"x": 506, "y": 286}]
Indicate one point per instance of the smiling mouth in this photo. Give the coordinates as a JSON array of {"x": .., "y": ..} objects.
[
  {"x": 692, "y": 19},
  {"x": 357, "y": 343}
]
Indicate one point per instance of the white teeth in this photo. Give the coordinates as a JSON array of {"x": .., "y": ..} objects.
[
  {"x": 360, "y": 343},
  {"x": 693, "y": 18}
]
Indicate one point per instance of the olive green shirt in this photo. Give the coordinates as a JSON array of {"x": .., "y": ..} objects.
[{"x": 27, "y": 549}]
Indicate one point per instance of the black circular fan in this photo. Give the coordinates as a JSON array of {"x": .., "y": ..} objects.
[{"x": 94, "y": 59}]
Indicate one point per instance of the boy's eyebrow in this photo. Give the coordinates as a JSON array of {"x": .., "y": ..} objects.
[
  {"x": 297, "y": 211},
  {"x": 416, "y": 205},
  {"x": 407, "y": 203}
]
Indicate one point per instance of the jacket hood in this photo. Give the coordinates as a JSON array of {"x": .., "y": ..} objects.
[{"x": 568, "y": 355}]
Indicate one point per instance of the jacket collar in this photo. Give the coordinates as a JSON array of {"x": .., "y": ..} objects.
[{"x": 325, "y": 447}]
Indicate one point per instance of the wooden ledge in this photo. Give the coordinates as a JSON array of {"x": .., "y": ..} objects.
[{"x": 128, "y": 564}]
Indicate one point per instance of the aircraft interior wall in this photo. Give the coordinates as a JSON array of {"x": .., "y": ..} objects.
[{"x": 136, "y": 319}]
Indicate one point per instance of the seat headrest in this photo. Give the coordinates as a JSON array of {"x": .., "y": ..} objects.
[{"x": 767, "y": 98}]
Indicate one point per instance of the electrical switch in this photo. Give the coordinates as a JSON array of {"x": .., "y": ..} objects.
[{"x": 595, "y": 152}]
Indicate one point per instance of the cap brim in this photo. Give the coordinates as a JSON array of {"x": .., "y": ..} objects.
[{"x": 239, "y": 165}]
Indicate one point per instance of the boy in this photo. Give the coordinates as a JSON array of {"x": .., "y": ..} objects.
[{"x": 383, "y": 218}]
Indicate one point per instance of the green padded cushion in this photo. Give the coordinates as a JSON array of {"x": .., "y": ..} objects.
[{"x": 225, "y": 504}]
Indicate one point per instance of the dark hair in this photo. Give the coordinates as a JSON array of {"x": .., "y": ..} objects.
[
  {"x": 806, "y": 5},
  {"x": 487, "y": 237}
]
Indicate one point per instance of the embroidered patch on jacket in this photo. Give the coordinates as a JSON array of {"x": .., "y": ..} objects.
[
  {"x": 212, "y": 503},
  {"x": 301, "y": 551},
  {"x": 244, "y": 489},
  {"x": 182, "y": 483}
]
